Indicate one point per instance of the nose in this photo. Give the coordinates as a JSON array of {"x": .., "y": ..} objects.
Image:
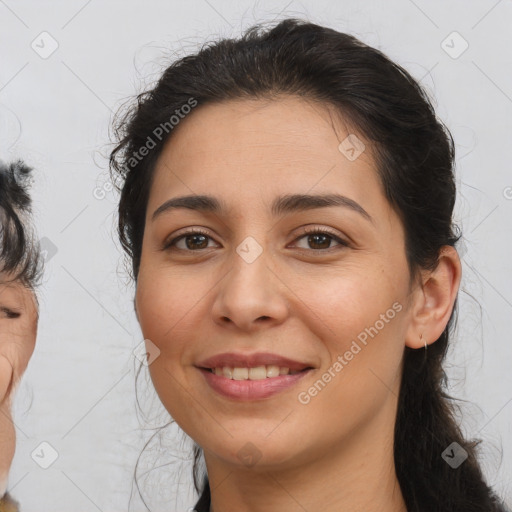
[{"x": 250, "y": 295}]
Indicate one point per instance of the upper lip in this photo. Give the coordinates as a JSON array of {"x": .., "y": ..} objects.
[{"x": 251, "y": 360}]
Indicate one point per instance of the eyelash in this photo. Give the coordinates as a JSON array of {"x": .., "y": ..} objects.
[{"x": 306, "y": 232}]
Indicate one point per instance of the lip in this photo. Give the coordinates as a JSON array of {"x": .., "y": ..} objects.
[
  {"x": 246, "y": 390},
  {"x": 251, "y": 360}
]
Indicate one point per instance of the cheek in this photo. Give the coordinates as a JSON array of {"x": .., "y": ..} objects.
[
  {"x": 162, "y": 306},
  {"x": 342, "y": 305},
  {"x": 359, "y": 320},
  {"x": 166, "y": 306}
]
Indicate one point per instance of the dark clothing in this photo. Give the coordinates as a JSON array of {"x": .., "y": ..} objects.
[
  {"x": 8, "y": 504},
  {"x": 203, "y": 504}
]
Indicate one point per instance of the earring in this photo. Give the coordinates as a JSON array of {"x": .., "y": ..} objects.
[{"x": 421, "y": 337}]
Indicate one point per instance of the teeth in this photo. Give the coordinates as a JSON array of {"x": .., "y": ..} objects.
[
  {"x": 240, "y": 373},
  {"x": 272, "y": 371},
  {"x": 227, "y": 372},
  {"x": 256, "y": 373}
]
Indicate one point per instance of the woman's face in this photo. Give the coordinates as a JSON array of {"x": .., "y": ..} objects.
[
  {"x": 255, "y": 283},
  {"x": 18, "y": 330}
]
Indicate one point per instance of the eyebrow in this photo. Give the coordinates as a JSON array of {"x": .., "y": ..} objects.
[{"x": 280, "y": 206}]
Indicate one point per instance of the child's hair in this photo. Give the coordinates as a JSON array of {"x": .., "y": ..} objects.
[
  {"x": 20, "y": 255},
  {"x": 414, "y": 162}
]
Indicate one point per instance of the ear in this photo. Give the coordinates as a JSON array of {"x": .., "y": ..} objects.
[{"x": 434, "y": 300}]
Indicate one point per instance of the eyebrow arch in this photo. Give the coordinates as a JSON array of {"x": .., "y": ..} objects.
[
  {"x": 281, "y": 205},
  {"x": 10, "y": 312}
]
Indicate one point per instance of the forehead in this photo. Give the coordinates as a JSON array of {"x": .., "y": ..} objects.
[
  {"x": 8, "y": 283},
  {"x": 245, "y": 150},
  {"x": 15, "y": 294}
]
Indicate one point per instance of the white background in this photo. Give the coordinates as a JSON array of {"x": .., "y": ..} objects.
[{"x": 78, "y": 392}]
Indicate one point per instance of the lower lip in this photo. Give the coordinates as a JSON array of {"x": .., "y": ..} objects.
[{"x": 251, "y": 389}]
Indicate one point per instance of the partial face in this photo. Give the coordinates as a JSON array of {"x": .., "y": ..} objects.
[
  {"x": 18, "y": 329},
  {"x": 321, "y": 291}
]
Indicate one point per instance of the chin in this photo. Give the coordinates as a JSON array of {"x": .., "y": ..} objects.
[{"x": 256, "y": 455}]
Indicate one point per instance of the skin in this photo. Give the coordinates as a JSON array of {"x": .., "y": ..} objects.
[
  {"x": 17, "y": 343},
  {"x": 302, "y": 299}
]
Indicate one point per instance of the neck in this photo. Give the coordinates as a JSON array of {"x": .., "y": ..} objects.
[{"x": 356, "y": 475}]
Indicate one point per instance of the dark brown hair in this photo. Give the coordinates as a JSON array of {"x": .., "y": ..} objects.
[{"x": 19, "y": 250}]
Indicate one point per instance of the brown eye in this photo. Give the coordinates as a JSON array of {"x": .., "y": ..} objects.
[
  {"x": 320, "y": 239},
  {"x": 199, "y": 241}
]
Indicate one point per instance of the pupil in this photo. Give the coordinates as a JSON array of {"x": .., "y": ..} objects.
[
  {"x": 195, "y": 237},
  {"x": 315, "y": 237}
]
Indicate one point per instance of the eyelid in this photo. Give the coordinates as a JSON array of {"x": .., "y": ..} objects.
[{"x": 322, "y": 229}]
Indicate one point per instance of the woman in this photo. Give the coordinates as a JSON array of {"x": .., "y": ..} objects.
[
  {"x": 287, "y": 207},
  {"x": 20, "y": 270}
]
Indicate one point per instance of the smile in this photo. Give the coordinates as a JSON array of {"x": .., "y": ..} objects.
[
  {"x": 256, "y": 373},
  {"x": 245, "y": 388}
]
